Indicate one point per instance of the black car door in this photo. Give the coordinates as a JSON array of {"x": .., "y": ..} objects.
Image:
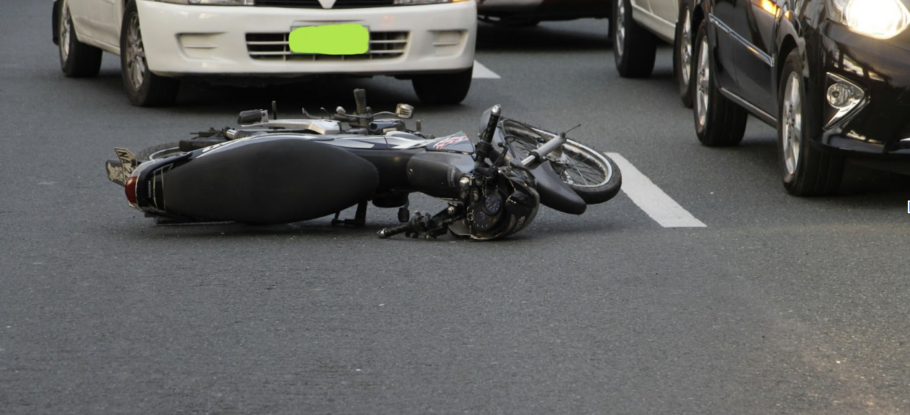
[
  {"x": 754, "y": 24},
  {"x": 721, "y": 16}
]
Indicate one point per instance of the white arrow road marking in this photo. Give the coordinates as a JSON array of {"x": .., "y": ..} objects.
[
  {"x": 483, "y": 72},
  {"x": 660, "y": 207}
]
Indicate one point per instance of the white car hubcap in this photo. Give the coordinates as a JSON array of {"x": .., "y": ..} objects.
[
  {"x": 135, "y": 54},
  {"x": 704, "y": 83},
  {"x": 685, "y": 52},
  {"x": 65, "y": 25}
]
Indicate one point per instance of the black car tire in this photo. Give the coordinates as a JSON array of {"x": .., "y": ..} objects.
[
  {"x": 445, "y": 89},
  {"x": 143, "y": 88},
  {"x": 682, "y": 54},
  {"x": 718, "y": 121},
  {"x": 77, "y": 60},
  {"x": 634, "y": 48},
  {"x": 805, "y": 169}
]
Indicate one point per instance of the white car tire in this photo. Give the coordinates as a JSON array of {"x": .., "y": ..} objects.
[
  {"x": 634, "y": 47},
  {"x": 77, "y": 60},
  {"x": 444, "y": 89},
  {"x": 143, "y": 88}
]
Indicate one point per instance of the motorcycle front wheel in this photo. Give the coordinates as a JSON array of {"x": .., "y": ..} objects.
[{"x": 591, "y": 174}]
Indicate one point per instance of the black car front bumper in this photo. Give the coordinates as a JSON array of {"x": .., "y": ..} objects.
[{"x": 881, "y": 68}]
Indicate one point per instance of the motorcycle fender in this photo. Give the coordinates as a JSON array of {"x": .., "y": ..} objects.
[
  {"x": 555, "y": 193},
  {"x": 269, "y": 181}
]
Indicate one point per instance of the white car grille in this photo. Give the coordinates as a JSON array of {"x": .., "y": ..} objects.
[
  {"x": 314, "y": 4},
  {"x": 274, "y": 46}
]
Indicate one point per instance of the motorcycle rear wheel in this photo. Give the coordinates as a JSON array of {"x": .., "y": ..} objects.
[{"x": 592, "y": 175}]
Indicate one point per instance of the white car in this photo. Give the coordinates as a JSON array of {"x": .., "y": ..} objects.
[
  {"x": 430, "y": 42},
  {"x": 640, "y": 24}
]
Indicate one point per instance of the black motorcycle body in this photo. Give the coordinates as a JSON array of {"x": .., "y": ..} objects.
[
  {"x": 270, "y": 174},
  {"x": 281, "y": 178}
]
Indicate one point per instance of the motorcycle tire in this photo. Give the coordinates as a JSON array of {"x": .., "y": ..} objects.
[{"x": 592, "y": 175}]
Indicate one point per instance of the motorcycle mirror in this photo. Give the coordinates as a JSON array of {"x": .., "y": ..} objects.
[{"x": 404, "y": 111}]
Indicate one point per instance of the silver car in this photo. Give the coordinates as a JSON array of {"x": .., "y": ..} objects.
[{"x": 637, "y": 27}]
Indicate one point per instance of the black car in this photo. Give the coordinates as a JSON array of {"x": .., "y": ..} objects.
[{"x": 832, "y": 75}]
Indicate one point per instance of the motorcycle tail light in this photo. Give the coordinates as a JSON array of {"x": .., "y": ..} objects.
[{"x": 130, "y": 188}]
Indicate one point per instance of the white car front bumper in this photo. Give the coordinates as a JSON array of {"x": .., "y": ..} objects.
[{"x": 185, "y": 40}]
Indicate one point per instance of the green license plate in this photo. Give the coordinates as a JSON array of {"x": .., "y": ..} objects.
[{"x": 337, "y": 39}]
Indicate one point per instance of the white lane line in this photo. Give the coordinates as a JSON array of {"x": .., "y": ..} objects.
[
  {"x": 660, "y": 207},
  {"x": 483, "y": 72}
]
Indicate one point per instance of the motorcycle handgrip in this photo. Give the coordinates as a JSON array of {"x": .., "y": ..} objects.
[
  {"x": 252, "y": 117},
  {"x": 389, "y": 232},
  {"x": 360, "y": 99},
  {"x": 486, "y": 135}
]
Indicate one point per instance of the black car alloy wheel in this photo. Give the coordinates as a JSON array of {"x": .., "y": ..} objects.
[
  {"x": 805, "y": 170},
  {"x": 718, "y": 122}
]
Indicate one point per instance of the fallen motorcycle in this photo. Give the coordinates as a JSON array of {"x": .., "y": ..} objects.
[{"x": 271, "y": 171}]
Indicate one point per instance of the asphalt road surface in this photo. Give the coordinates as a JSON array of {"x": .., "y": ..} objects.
[{"x": 777, "y": 305}]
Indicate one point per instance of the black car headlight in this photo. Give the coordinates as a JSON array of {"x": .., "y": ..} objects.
[{"x": 882, "y": 19}]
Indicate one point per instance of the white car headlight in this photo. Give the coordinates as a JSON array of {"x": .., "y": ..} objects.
[
  {"x": 418, "y": 2},
  {"x": 212, "y": 2},
  {"x": 882, "y": 19}
]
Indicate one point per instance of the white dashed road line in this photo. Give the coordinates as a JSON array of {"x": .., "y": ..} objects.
[
  {"x": 660, "y": 207},
  {"x": 482, "y": 72}
]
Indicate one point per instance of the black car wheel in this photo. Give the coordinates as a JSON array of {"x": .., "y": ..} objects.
[
  {"x": 806, "y": 170},
  {"x": 446, "y": 89},
  {"x": 682, "y": 54},
  {"x": 718, "y": 122},
  {"x": 634, "y": 48},
  {"x": 143, "y": 88},
  {"x": 77, "y": 60}
]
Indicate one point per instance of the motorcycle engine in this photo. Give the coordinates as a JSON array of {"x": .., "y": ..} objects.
[{"x": 502, "y": 205}]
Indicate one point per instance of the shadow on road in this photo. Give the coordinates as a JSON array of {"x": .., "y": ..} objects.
[
  {"x": 861, "y": 187},
  {"x": 576, "y": 35}
]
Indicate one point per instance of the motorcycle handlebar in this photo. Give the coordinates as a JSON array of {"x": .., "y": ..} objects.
[
  {"x": 360, "y": 99},
  {"x": 541, "y": 152},
  {"x": 484, "y": 147},
  {"x": 495, "y": 114},
  {"x": 389, "y": 232}
]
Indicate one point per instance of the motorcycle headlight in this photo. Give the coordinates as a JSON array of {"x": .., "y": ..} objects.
[
  {"x": 882, "y": 19},
  {"x": 212, "y": 2},
  {"x": 418, "y": 2}
]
